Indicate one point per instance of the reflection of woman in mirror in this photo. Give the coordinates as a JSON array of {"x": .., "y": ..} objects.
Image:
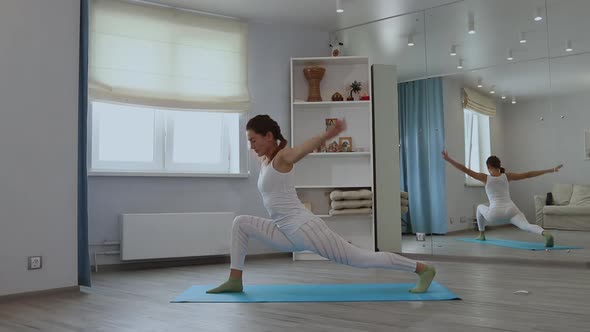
[{"x": 501, "y": 205}]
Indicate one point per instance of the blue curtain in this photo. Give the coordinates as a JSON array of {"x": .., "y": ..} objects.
[
  {"x": 83, "y": 256},
  {"x": 421, "y": 124}
]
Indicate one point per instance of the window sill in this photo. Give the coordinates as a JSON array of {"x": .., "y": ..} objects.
[{"x": 97, "y": 173}]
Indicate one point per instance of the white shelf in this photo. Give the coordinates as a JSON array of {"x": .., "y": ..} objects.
[
  {"x": 337, "y": 60},
  {"x": 328, "y": 104},
  {"x": 339, "y": 154}
]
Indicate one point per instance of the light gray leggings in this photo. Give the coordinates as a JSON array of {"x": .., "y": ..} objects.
[
  {"x": 314, "y": 236},
  {"x": 487, "y": 216}
]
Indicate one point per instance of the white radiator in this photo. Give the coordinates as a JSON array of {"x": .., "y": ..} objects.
[{"x": 169, "y": 235}]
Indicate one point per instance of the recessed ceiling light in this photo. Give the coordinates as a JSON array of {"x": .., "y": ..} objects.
[
  {"x": 479, "y": 83},
  {"x": 471, "y": 24},
  {"x": 522, "y": 38},
  {"x": 509, "y": 56},
  {"x": 513, "y": 100},
  {"x": 411, "y": 40},
  {"x": 453, "y": 50},
  {"x": 460, "y": 64},
  {"x": 568, "y": 46},
  {"x": 493, "y": 89},
  {"x": 339, "y": 8},
  {"x": 538, "y": 14}
]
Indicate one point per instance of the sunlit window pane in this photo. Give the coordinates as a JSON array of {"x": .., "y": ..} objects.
[
  {"x": 126, "y": 133},
  {"x": 197, "y": 137}
]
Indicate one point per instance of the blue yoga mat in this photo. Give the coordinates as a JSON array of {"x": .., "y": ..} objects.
[
  {"x": 517, "y": 244},
  {"x": 318, "y": 293}
]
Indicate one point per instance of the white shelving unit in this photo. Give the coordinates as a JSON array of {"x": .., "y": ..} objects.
[{"x": 320, "y": 173}]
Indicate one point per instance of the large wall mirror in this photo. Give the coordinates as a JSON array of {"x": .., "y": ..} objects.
[{"x": 479, "y": 78}]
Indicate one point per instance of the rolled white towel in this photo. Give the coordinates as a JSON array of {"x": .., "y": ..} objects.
[
  {"x": 351, "y": 211},
  {"x": 404, "y": 194},
  {"x": 405, "y": 202},
  {"x": 351, "y": 204},
  {"x": 338, "y": 195},
  {"x": 405, "y": 209}
]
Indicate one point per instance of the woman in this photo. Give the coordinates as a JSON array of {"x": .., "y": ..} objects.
[
  {"x": 292, "y": 227},
  {"x": 501, "y": 206}
]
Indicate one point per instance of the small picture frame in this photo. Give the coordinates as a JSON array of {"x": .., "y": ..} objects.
[
  {"x": 587, "y": 144},
  {"x": 345, "y": 144},
  {"x": 330, "y": 122},
  {"x": 333, "y": 147}
]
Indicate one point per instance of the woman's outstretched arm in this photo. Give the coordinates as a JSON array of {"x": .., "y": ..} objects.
[
  {"x": 292, "y": 155},
  {"x": 478, "y": 176},
  {"x": 532, "y": 174}
]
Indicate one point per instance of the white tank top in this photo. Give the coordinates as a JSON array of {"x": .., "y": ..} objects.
[
  {"x": 280, "y": 198},
  {"x": 498, "y": 190}
]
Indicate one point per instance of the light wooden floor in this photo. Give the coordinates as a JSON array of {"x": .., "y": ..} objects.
[
  {"x": 139, "y": 301},
  {"x": 448, "y": 245}
]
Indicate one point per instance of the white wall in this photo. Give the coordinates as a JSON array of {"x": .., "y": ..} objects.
[
  {"x": 460, "y": 198},
  {"x": 270, "y": 48},
  {"x": 38, "y": 143},
  {"x": 533, "y": 144}
]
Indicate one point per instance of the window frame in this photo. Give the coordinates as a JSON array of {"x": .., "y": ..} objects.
[
  {"x": 162, "y": 165},
  {"x": 470, "y": 182}
]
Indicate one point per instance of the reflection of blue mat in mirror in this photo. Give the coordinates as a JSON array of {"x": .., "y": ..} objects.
[
  {"x": 318, "y": 293},
  {"x": 517, "y": 244}
]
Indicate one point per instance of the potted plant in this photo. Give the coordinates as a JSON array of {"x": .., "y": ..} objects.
[{"x": 355, "y": 87}]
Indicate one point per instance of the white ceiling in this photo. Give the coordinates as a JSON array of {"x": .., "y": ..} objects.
[
  {"x": 438, "y": 24},
  {"x": 317, "y": 14}
]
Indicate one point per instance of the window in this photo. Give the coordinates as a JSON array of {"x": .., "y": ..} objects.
[
  {"x": 168, "y": 90},
  {"x": 477, "y": 143},
  {"x": 141, "y": 139}
]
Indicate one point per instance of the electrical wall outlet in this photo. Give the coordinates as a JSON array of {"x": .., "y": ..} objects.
[
  {"x": 35, "y": 262},
  {"x": 452, "y": 220},
  {"x": 464, "y": 219}
]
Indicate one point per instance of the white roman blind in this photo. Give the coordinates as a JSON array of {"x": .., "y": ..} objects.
[
  {"x": 478, "y": 103},
  {"x": 163, "y": 57}
]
